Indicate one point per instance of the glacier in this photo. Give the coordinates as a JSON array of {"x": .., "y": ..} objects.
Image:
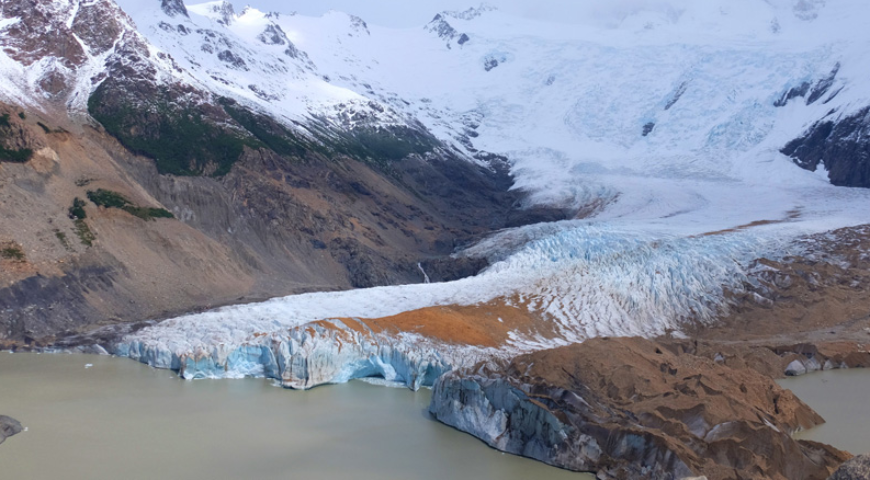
[{"x": 587, "y": 280}]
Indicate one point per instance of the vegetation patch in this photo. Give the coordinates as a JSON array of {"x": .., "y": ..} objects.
[
  {"x": 78, "y": 215},
  {"x": 178, "y": 138},
  {"x": 11, "y": 251},
  {"x": 22, "y": 115},
  {"x": 77, "y": 210},
  {"x": 110, "y": 199},
  {"x": 86, "y": 236},
  {"x": 4, "y": 120},
  {"x": 388, "y": 144},
  {"x": 61, "y": 237},
  {"x": 272, "y": 134},
  {"x": 376, "y": 145},
  {"x": 189, "y": 139},
  {"x": 44, "y": 127},
  {"x": 15, "y": 156}
]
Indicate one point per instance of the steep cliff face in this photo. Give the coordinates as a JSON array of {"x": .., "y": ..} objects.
[
  {"x": 635, "y": 409},
  {"x": 314, "y": 354},
  {"x": 838, "y": 144}
]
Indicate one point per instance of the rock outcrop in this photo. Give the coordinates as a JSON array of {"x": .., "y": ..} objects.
[
  {"x": 8, "y": 427},
  {"x": 173, "y": 7},
  {"x": 857, "y": 468},
  {"x": 631, "y": 408},
  {"x": 840, "y": 145}
]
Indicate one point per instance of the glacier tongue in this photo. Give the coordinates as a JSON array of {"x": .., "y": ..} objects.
[{"x": 584, "y": 280}]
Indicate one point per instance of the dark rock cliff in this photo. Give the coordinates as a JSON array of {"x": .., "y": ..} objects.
[{"x": 841, "y": 145}]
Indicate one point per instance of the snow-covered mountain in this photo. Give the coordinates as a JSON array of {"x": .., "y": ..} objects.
[
  {"x": 703, "y": 92},
  {"x": 656, "y": 125}
]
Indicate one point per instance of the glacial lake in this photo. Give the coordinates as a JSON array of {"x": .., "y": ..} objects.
[
  {"x": 121, "y": 419},
  {"x": 842, "y": 398}
]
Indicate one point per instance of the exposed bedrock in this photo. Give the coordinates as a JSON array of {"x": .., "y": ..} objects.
[
  {"x": 319, "y": 353},
  {"x": 857, "y": 468},
  {"x": 8, "y": 427},
  {"x": 840, "y": 145},
  {"x": 633, "y": 408}
]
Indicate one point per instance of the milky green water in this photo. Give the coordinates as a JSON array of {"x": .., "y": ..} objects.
[
  {"x": 120, "y": 419},
  {"x": 842, "y": 398}
]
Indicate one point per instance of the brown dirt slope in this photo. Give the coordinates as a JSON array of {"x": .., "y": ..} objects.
[{"x": 274, "y": 225}]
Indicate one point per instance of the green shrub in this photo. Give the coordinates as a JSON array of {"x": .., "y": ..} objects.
[
  {"x": 176, "y": 137},
  {"x": 77, "y": 210},
  {"x": 22, "y": 116},
  {"x": 108, "y": 199},
  {"x": 12, "y": 252},
  {"x": 15, "y": 156},
  {"x": 271, "y": 133},
  {"x": 63, "y": 240},
  {"x": 84, "y": 233},
  {"x": 4, "y": 120}
]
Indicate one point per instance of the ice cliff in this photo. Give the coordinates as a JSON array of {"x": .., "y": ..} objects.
[{"x": 314, "y": 354}]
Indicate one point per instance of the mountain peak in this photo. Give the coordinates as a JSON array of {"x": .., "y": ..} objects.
[
  {"x": 440, "y": 25},
  {"x": 58, "y": 43},
  {"x": 359, "y": 25},
  {"x": 174, "y": 7},
  {"x": 471, "y": 13},
  {"x": 221, "y": 11}
]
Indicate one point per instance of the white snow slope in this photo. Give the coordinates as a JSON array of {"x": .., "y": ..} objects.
[{"x": 568, "y": 104}]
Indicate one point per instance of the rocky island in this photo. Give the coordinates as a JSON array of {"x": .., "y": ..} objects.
[{"x": 8, "y": 427}]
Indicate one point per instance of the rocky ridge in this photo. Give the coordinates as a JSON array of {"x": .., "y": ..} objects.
[
  {"x": 838, "y": 144},
  {"x": 631, "y": 408}
]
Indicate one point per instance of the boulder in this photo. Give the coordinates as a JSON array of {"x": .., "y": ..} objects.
[
  {"x": 857, "y": 468},
  {"x": 8, "y": 427}
]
